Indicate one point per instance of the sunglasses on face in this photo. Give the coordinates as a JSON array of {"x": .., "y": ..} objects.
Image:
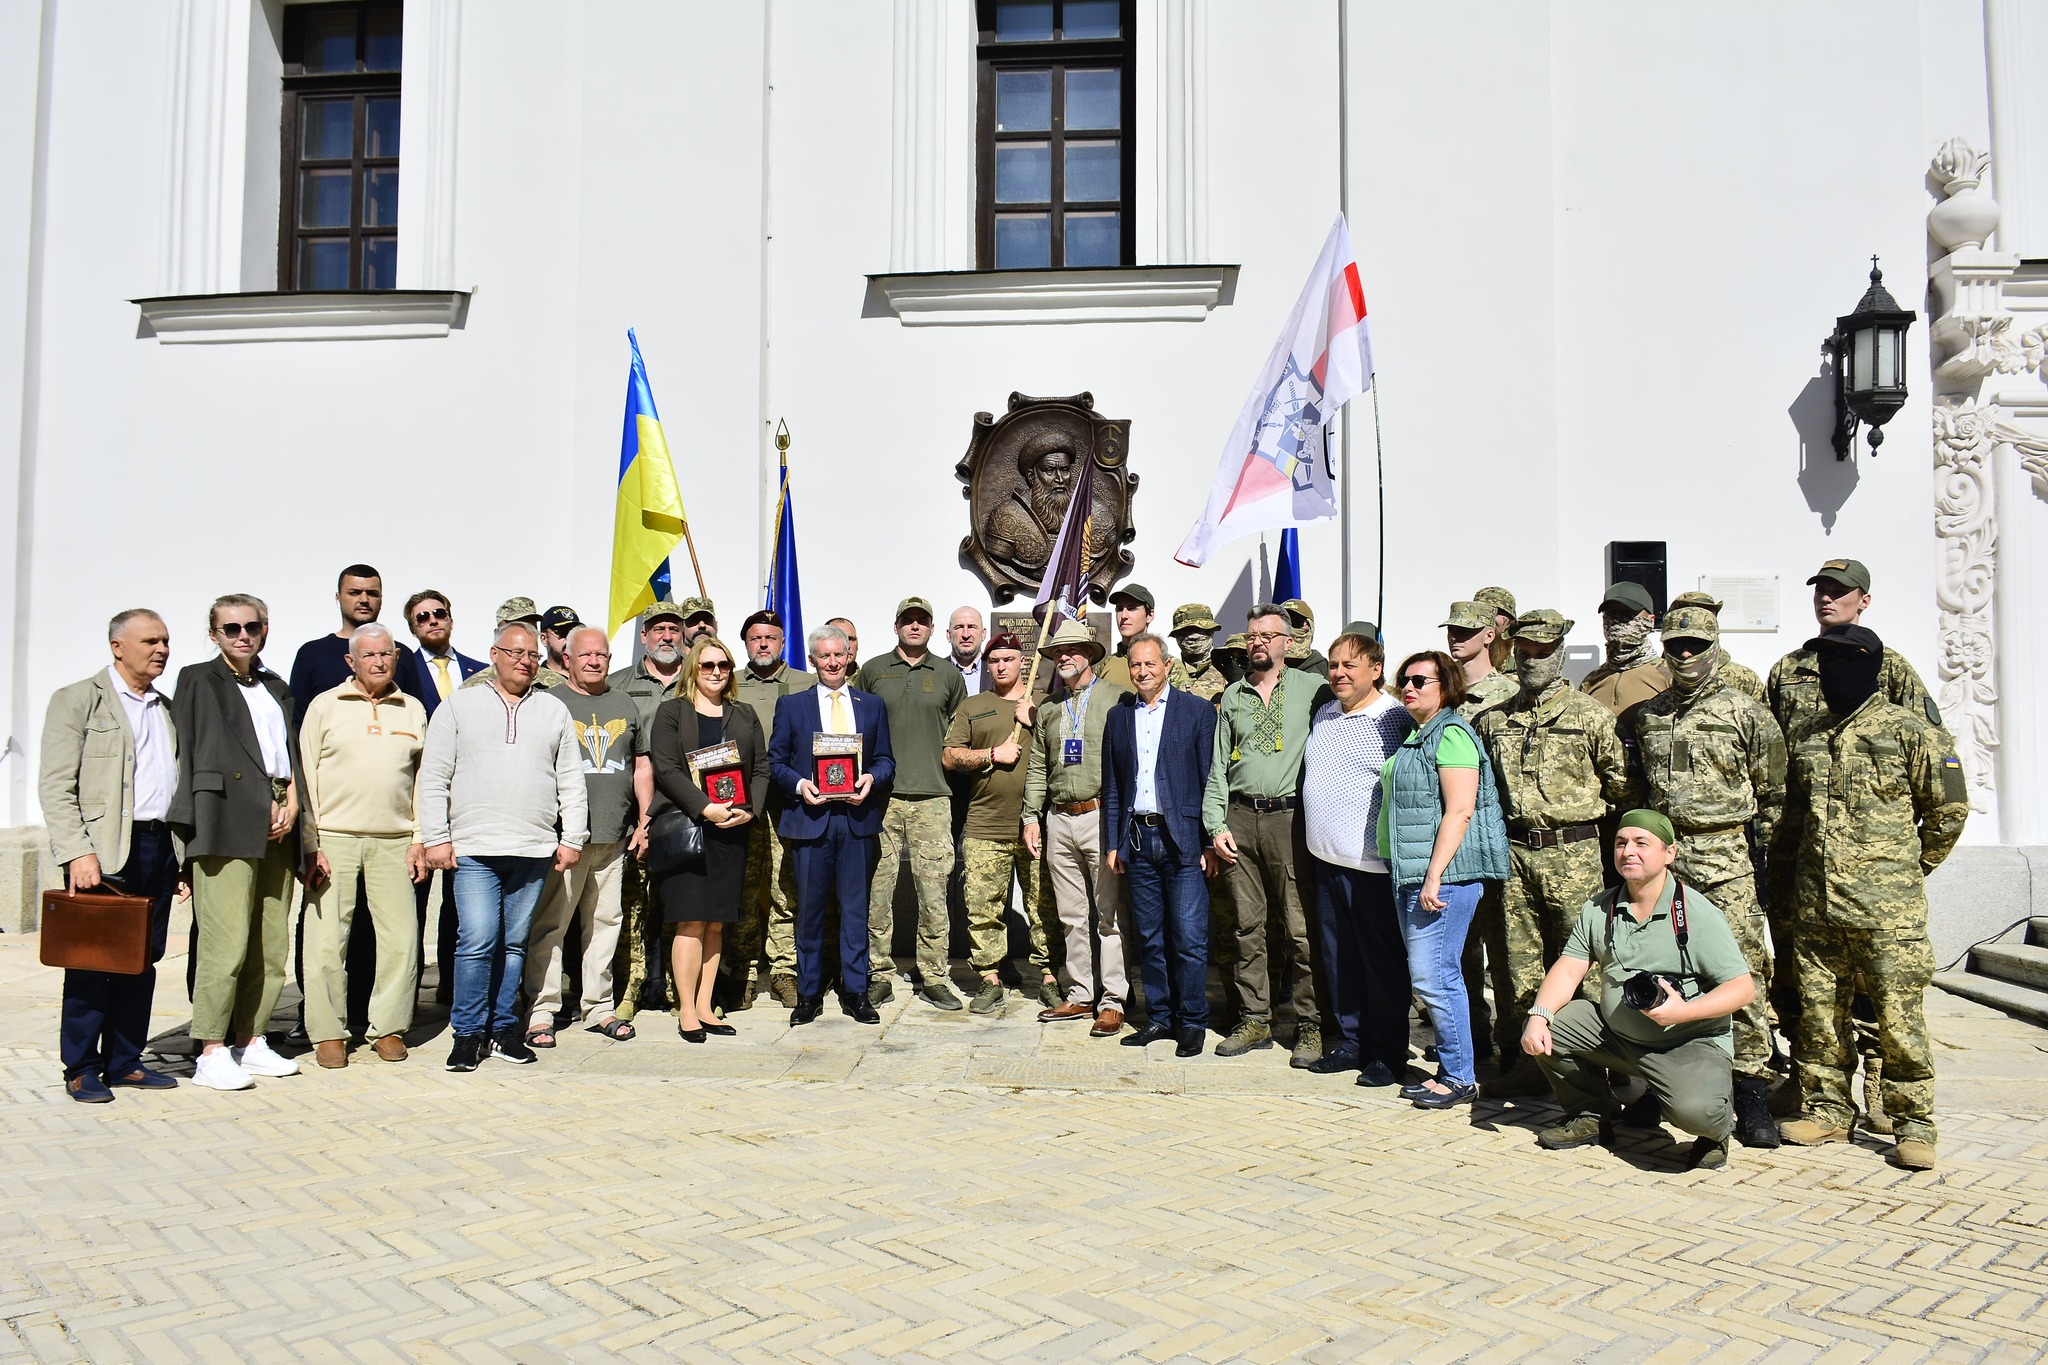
[
  {"x": 715, "y": 666},
  {"x": 420, "y": 618},
  {"x": 1418, "y": 681},
  {"x": 233, "y": 628}
]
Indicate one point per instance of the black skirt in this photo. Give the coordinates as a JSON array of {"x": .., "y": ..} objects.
[{"x": 710, "y": 893}]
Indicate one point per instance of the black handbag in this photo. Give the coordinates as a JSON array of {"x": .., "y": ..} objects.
[{"x": 675, "y": 843}]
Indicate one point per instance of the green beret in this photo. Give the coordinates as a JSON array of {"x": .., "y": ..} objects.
[{"x": 1653, "y": 822}]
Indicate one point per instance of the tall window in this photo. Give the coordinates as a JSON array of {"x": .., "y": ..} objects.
[
  {"x": 1054, "y": 162},
  {"x": 339, "y": 200}
]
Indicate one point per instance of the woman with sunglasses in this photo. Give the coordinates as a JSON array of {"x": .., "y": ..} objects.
[
  {"x": 1441, "y": 832},
  {"x": 700, "y": 901}
]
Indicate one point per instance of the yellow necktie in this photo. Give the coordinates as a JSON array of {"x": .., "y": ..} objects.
[
  {"x": 842, "y": 724},
  {"x": 442, "y": 680}
]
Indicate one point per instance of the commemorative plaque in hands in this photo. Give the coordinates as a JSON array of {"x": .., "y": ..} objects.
[
  {"x": 836, "y": 764},
  {"x": 717, "y": 770}
]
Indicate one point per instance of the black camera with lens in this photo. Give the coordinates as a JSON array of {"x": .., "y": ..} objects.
[{"x": 1640, "y": 991}]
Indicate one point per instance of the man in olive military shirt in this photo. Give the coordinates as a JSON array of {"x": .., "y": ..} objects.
[
  {"x": 518, "y": 610},
  {"x": 1632, "y": 673},
  {"x": 1134, "y": 606},
  {"x": 920, "y": 691},
  {"x": 768, "y": 904},
  {"x": 987, "y": 742}
]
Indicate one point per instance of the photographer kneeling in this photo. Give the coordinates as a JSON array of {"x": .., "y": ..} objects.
[{"x": 1649, "y": 936}]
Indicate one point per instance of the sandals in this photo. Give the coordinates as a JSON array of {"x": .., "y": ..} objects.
[
  {"x": 616, "y": 1029},
  {"x": 540, "y": 1037}
]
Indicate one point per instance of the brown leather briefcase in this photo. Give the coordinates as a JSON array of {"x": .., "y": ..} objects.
[{"x": 96, "y": 931}]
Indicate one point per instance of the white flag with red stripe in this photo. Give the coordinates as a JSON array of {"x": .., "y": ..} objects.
[{"x": 1276, "y": 471}]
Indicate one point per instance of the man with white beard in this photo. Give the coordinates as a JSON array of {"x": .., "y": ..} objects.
[{"x": 653, "y": 680}]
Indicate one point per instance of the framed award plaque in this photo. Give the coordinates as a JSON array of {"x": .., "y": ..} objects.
[
  {"x": 836, "y": 765},
  {"x": 718, "y": 771}
]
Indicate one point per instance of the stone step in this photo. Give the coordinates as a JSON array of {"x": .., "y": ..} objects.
[
  {"x": 2037, "y": 931},
  {"x": 2021, "y": 964},
  {"x": 2018, "y": 1001}
]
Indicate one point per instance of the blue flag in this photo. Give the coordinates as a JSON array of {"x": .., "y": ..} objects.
[
  {"x": 785, "y": 594},
  {"x": 1287, "y": 576}
]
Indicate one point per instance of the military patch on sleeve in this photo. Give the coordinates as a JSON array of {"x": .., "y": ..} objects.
[
  {"x": 1933, "y": 711},
  {"x": 1954, "y": 785}
]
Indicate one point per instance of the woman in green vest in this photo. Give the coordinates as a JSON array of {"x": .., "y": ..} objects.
[{"x": 1442, "y": 834}]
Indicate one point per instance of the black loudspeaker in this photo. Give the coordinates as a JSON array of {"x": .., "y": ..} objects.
[{"x": 1639, "y": 561}]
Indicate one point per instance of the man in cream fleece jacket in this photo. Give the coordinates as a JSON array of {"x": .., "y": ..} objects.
[
  {"x": 501, "y": 800},
  {"x": 360, "y": 744}
]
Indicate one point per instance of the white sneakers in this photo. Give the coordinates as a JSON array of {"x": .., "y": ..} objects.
[
  {"x": 217, "y": 1070},
  {"x": 258, "y": 1060}
]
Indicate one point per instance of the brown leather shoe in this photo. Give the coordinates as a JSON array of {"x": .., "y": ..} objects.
[
  {"x": 1066, "y": 1010},
  {"x": 390, "y": 1047},
  {"x": 332, "y": 1054},
  {"x": 1108, "y": 1024}
]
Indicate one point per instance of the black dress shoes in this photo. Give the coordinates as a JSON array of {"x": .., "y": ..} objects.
[
  {"x": 1330, "y": 1063},
  {"x": 855, "y": 1006},
  {"x": 1377, "y": 1075},
  {"x": 1188, "y": 1042},
  {"x": 808, "y": 1008},
  {"x": 1151, "y": 1033}
]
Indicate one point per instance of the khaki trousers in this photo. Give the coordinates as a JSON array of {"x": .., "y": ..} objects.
[
  {"x": 239, "y": 912},
  {"x": 331, "y": 911},
  {"x": 1264, "y": 884},
  {"x": 591, "y": 892},
  {"x": 1084, "y": 889}
]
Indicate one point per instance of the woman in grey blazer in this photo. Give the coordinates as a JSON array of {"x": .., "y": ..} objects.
[{"x": 237, "y": 808}]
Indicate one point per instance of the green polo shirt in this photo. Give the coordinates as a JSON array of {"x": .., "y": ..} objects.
[
  {"x": 645, "y": 689},
  {"x": 921, "y": 698},
  {"x": 1241, "y": 767},
  {"x": 1652, "y": 947},
  {"x": 762, "y": 693}
]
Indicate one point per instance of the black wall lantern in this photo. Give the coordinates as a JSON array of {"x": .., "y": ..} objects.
[{"x": 1869, "y": 347}]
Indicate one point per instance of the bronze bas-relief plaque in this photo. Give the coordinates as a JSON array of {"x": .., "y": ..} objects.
[{"x": 1021, "y": 468}]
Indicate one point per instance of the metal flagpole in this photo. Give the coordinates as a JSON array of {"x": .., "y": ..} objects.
[{"x": 1344, "y": 206}]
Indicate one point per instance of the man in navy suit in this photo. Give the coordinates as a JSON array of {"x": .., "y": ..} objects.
[
  {"x": 1156, "y": 751},
  {"x": 834, "y": 842},
  {"x": 435, "y": 669}
]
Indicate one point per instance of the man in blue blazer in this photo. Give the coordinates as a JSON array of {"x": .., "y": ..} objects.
[
  {"x": 1156, "y": 751},
  {"x": 834, "y": 842},
  {"x": 432, "y": 622}
]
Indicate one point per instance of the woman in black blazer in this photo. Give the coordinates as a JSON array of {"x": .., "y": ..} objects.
[{"x": 700, "y": 902}]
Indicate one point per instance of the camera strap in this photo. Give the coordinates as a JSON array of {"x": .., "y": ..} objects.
[{"x": 1678, "y": 923}]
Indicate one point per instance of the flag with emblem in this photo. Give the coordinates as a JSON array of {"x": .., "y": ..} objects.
[
  {"x": 1276, "y": 471},
  {"x": 1063, "y": 594}
]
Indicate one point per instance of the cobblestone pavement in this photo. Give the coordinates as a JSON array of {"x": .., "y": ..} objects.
[{"x": 948, "y": 1188}]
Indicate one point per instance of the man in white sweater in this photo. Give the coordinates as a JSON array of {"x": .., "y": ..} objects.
[{"x": 501, "y": 801}]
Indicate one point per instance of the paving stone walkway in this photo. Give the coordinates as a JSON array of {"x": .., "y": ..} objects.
[{"x": 953, "y": 1189}]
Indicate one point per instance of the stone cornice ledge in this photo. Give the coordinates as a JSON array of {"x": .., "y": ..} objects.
[
  {"x": 969, "y": 298},
  {"x": 342, "y": 315}
]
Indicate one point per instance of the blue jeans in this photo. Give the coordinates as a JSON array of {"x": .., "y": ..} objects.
[
  {"x": 1170, "y": 920},
  {"x": 102, "y": 1008},
  {"x": 494, "y": 902},
  {"x": 1436, "y": 943}
]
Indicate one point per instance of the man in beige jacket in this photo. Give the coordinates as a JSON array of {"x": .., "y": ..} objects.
[{"x": 360, "y": 744}]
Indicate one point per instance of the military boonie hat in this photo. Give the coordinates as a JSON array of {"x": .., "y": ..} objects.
[
  {"x": 1302, "y": 613},
  {"x": 560, "y": 618},
  {"x": 1236, "y": 642},
  {"x": 1137, "y": 592},
  {"x": 1500, "y": 599},
  {"x": 698, "y": 606},
  {"x": 1849, "y": 572},
  {"x": 911, "y": 604},
  {"x": 1073, "y": 633},
  {"x": 1691, "y": 623},
  {"x": 1543, "y": 627},
  {"x": 1193, "y": 616},
  {"x": 517, "y": 609},
  {"x": 764, "y": 617},
  {"x": 1698, "y": 599},
  {"x": 1469, "y": 616},
  {"x": 660, "y": 611},
  {"x": 1634, "y": 596}
]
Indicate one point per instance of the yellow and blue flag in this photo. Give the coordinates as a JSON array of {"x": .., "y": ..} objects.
[
  {"x": 785, "y": 594},
  {"x": 649, "y": 521}
]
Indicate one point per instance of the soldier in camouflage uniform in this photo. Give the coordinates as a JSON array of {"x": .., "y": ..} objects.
[
  {"x": 921, "y": 691},
  {"x": 654, "y": 679},
  {"x": 522, "y": 611},
  {"x": 1503, "y": 603},
  {"x": 1562, "y": 770},
  {"x": 1741, "y": 677},
  {"x": 1470, "y": 631},
  {"x": 1194, "y": 636},
  {"x": 988, "y": 741},
  {"x": 1230, "y": 656},
  {"x": 1301, "y": 645},
  {"x": 1713, "y": 762},
  {"x": 1877, "y": 801},
  {"x": 768, "y": 902}
]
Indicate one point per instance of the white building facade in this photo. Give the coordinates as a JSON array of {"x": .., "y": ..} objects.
[{"x": 1602, "y": 245}]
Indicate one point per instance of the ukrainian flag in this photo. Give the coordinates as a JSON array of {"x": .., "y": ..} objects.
[{"x": 649, "y": 520}]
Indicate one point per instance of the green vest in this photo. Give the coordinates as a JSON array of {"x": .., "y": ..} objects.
[{"x": 1415, "y": 809}]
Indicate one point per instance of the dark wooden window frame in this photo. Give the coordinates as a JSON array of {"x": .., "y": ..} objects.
[
  {"x": 1055, "y": 56},
  {"x": 359, "y": 84}
]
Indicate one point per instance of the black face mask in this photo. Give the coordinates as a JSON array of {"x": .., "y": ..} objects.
[{"x": 1848, "y": 678}]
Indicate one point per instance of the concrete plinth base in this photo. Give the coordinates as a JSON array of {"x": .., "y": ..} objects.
[{"x": 26, "y": 870}]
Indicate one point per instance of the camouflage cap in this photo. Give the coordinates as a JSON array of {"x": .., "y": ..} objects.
[
  {"x": 910, "y": 604},
  {"x": 517, "y": 609},
  {"x": 1849, "y": 572},
  {"x": 1698, "y": 599},
  {"x": 1236, "y": 642},
  {"x": 1691, "y": 623},
  {"x": 1633, "y": 596},
  {"x": 1500, "y": 599},
  {"x": 1469, "y": 616},
  {"x": 1137, "y": 592},
  {"x": 1300, "y": 611},
  {"x": 1193, "y": 616},
  {"x": 661, "y": 611},
  {"x": 698, "y": 606},
  {"x": 1543, "y": 627}
]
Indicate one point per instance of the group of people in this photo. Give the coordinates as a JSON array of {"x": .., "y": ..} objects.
[{"x": 1646, "y": 869}]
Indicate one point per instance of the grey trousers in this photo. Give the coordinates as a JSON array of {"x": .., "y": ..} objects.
[{"x": 1693, "y": 1081}]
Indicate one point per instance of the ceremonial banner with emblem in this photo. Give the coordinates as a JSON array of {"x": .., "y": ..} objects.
[
  {"x": 1063, "y": 593},
  {"x": 1275, "y": 471}
]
